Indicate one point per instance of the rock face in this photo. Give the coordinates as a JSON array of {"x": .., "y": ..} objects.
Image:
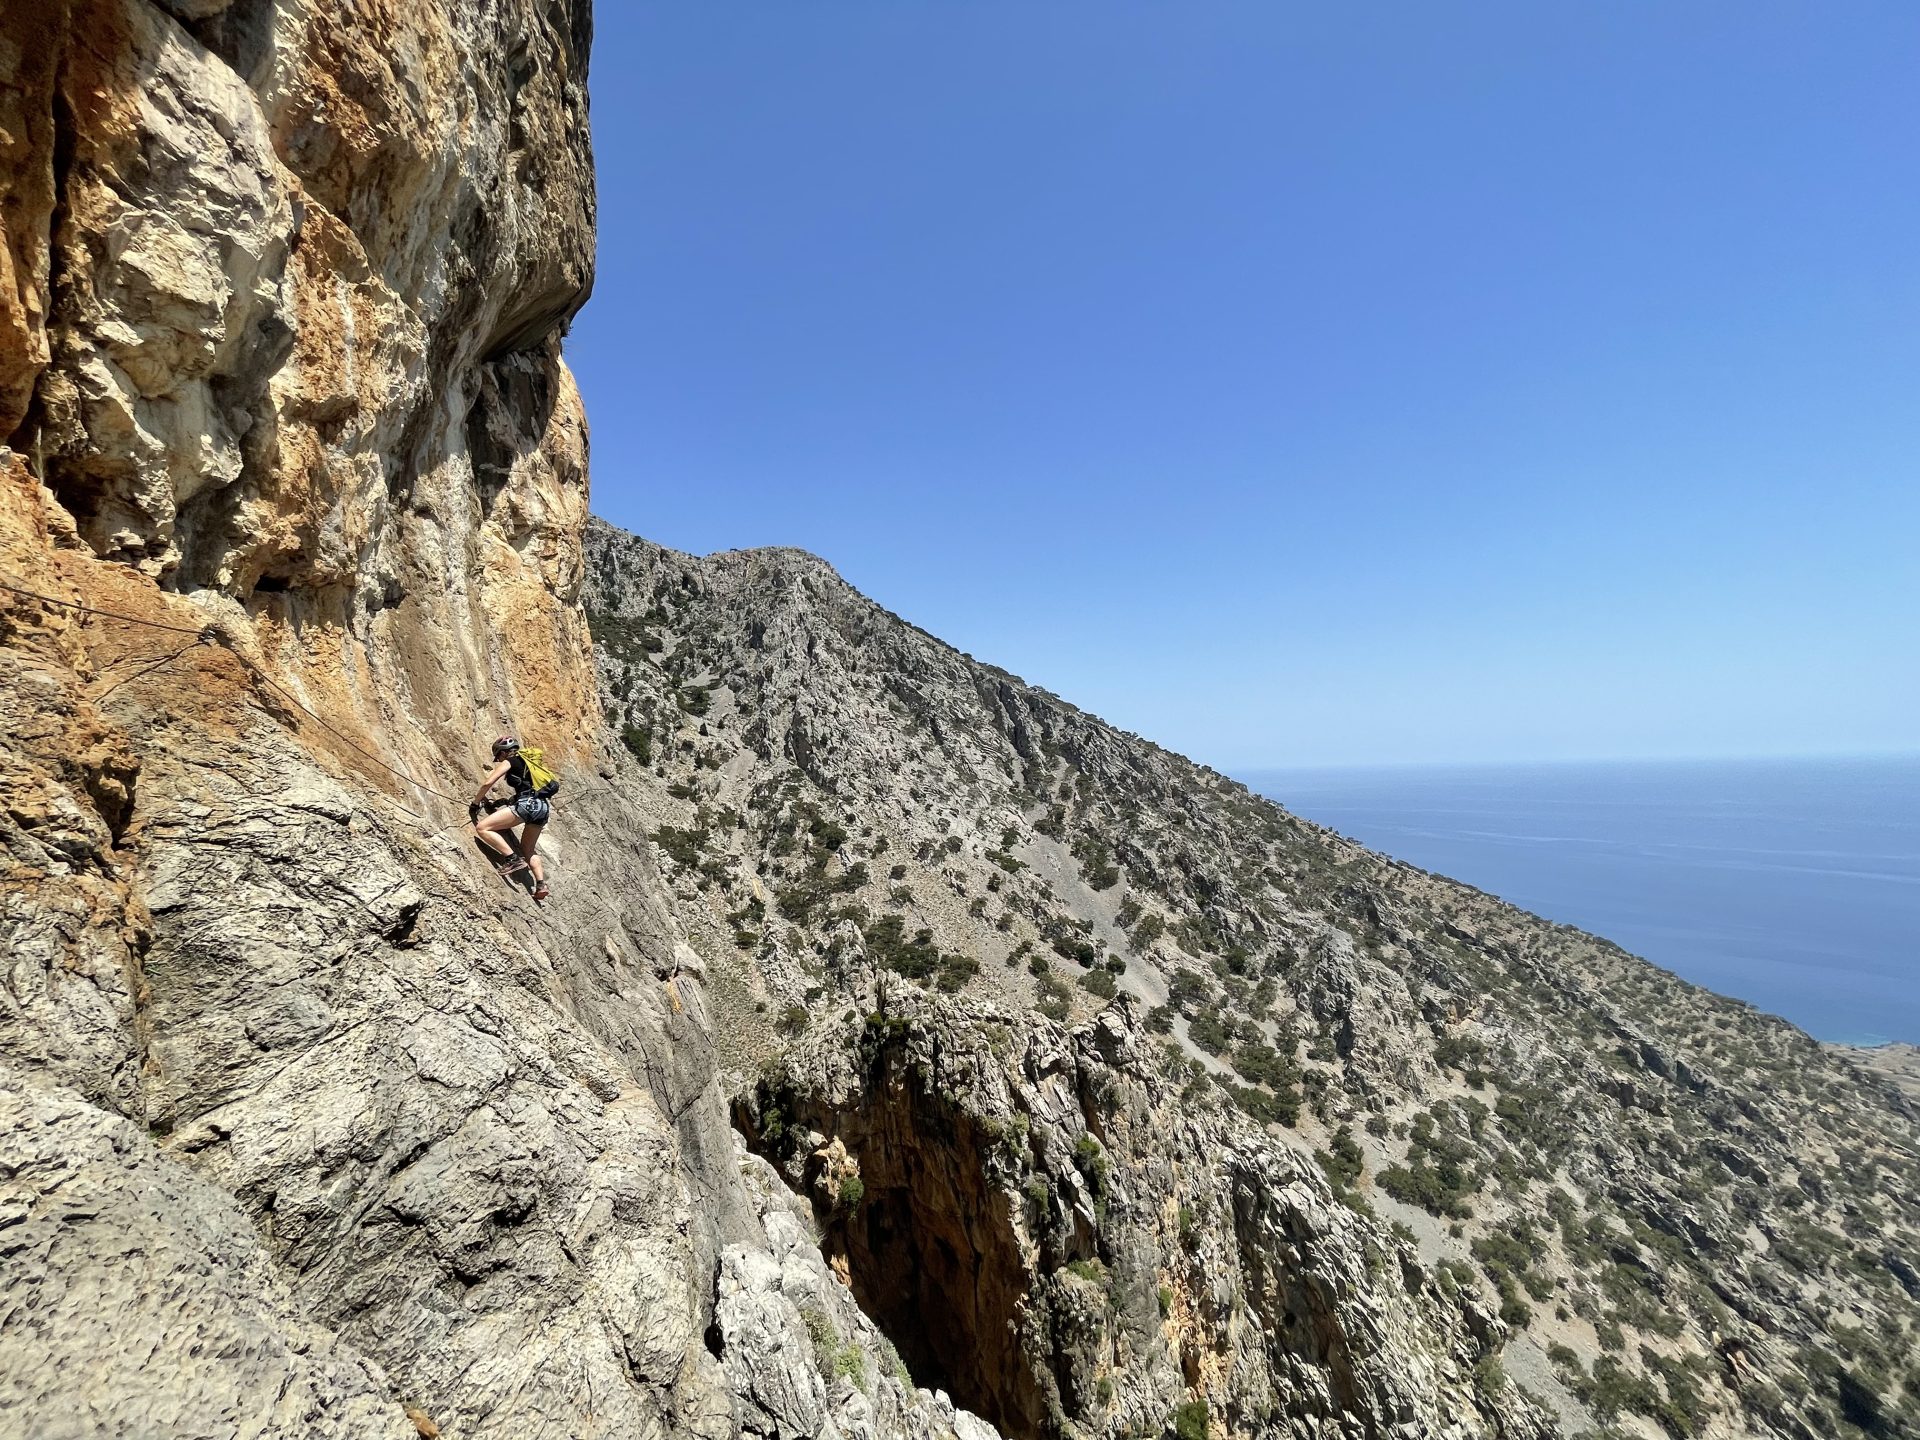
[
  {"x": 311, "y": 1124},
  {"x": 1899, "y": 1063},
  {"x": 1547, "y": 1184},
  {"x": 1059, "y": 1239}
]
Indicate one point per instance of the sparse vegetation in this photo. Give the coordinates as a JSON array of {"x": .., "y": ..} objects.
[
  {"x": 1715, "y": 1120},
  {"x": 1190, "y": 1421}
]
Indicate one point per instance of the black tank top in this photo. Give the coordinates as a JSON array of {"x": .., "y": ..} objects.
[{"x": 518, "y": 776}]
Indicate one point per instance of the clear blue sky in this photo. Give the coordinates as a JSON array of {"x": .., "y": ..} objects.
[{"x": 1291, "y": 383}]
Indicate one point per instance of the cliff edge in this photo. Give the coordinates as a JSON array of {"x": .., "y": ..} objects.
[{"x": 306, "y": 1121}]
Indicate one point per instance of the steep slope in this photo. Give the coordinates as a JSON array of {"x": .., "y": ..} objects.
[
  {"x": 1657, "y": 1210},
  {"x": 307, "y": 1123}
]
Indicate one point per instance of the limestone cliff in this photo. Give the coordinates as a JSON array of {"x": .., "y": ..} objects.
[{"x": 307, "y": 1123}]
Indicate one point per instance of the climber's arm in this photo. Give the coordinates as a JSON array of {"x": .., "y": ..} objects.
[{"x": 493, "y": 778}]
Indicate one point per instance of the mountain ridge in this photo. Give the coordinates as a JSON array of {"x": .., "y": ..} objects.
[{"x": 843, "y": 676}]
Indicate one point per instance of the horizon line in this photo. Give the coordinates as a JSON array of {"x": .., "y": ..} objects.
[{"x": 1753, "y": 757}]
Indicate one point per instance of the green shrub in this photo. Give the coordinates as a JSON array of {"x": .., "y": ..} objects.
[
  {"x": 1099, "y": 982},
  {"x": 684, "y": 847},
  {"x": 1190, "y": 1421},
  {"x": 1096, "y": 863},
  {"x": 1613, "y": 1389},
  {"x": 1263, "y": 1065},
  {"x": 1458, "y": 1052},
  {"x": 1488, "y": 1376},
  {"x": 639, "y": 743},
  {"x": 887, "y": 943},
  {"x": 1054, "y": 1000},
  {"x": 850, "y": 1364},
  {"x": 1344, "y": 1163},
  {"x": 821, "y": 1333},
  {"x": 955, "y": 971},
  {"x": 1263, "y": 1105},
  {"x": 1072, "y": 947},
  {"x": 1091, "y": 1161},
  {"x": 798, "y": 900},
  {"x": 1425, "y": 1186},
  {"x": 1209, "y": 1032}
]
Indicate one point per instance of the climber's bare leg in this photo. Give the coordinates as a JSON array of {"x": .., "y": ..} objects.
[
  {"x": 529, "y": 838},
  {"x": 489, "y": 830}
]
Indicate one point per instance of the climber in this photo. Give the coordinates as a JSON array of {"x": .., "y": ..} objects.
[{"x": 533, "y": 786}]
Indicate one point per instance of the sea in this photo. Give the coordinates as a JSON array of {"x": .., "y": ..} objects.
[{"x": 1791, "y": 884}]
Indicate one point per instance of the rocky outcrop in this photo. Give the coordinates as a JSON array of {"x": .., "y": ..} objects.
[
  {"x": 1616, "y": 1180},
  {"x": 119, "y": 1249},
  {"x": 1899, "y": 1063},
  {"x": 310, "y": 1123},
  {"x": 800, "y": 1356},
  {"x": 1073, "y": 1249},
  {"x": 288, "y": 286}
]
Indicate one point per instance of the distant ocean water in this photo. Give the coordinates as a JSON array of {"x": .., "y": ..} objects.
[{"x": 1791, "y": 884}]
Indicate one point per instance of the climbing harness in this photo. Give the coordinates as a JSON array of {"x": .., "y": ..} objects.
[{"x": 532, "y": 808}]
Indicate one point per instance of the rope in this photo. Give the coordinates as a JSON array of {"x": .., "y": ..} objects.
[
  {"x": 159, "y": 663},
  {"x": 558, "y": 801},
  {"x": 282, "y": 690},
  {"x": 583, "y": 794},
  {"x": 111, "y": 615},
  {"x": 212, "y": 633}
]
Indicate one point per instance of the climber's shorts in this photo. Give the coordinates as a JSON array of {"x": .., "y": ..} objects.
[{"x": 532, "y": 809}]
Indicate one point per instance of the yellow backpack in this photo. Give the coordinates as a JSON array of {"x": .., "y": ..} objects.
[{"x": 545, "y": 782}]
